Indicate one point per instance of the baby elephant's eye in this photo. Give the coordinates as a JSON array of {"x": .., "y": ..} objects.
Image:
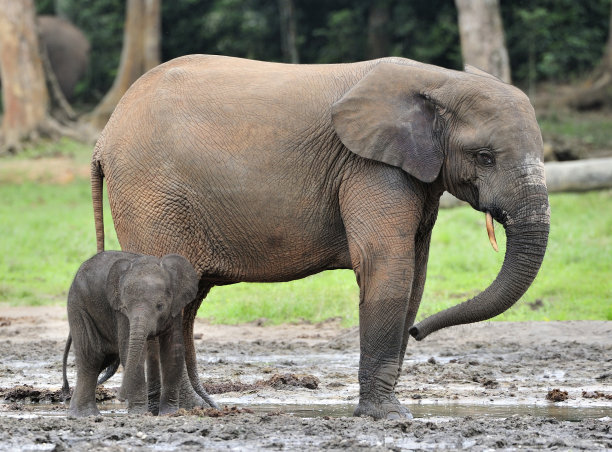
[
  {"x": 160, "y": 307},
  {"x": 485, "y": 158}
]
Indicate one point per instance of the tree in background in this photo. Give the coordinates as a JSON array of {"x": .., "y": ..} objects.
[
  {"x": 379, "y": 29},
  {"x": 24, "y": 91},
  {"x": 597, "y": 90},
  {"x": 140, "y": 52},
  {"x": 555, "y": 40},
  {"x": 482, "y": 37},
  {"x": 288, "y": 31}
]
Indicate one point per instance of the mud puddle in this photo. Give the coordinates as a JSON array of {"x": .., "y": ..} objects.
[
  {"x": 419, "y": 411},
  {"x": 481, "y": 387}
]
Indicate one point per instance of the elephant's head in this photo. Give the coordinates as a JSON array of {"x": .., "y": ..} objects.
[
  {"x": 472, "y": 135},
  {"x": 151, "y": 293}
]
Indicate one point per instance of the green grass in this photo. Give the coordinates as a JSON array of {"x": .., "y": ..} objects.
[
  {"x": 575, "y": 281},
  {"x": 592, "y": 130},
  {"x": 46, "y": 231},
  {"x": 64, "y": 147}
]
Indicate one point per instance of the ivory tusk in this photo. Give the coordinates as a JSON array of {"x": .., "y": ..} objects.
[{"x": 491, "y": 231}]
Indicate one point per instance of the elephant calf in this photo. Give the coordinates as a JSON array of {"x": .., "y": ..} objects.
[{"x": 116, "y": 302}]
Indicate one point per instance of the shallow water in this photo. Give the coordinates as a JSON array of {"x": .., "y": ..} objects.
[
  {"x": 419, "y": 411},
  {"x": 565, "y": 413}
]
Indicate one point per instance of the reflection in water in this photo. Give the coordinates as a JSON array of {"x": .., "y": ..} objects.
[
  {"x": 419, "y": 411},
  {"x": 564, "y": 413}
]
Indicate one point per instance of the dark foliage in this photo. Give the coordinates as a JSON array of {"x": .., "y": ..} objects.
[{"x": 547, "y": 39}]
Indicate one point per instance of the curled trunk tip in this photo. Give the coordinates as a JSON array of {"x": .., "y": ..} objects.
[
  {"x": 525, "y": 248},
  {"x": 416, "y": 333}
]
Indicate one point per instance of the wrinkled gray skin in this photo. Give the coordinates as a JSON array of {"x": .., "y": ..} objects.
[
  {"x": 270, "y": 172},
  {"x": 117, "y": 302},
  {"x": 68, "y": 50}
]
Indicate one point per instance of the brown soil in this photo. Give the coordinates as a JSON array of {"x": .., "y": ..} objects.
[{"x": 293, "y": 387}]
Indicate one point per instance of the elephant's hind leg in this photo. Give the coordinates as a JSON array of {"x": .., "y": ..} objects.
[
  {"x": 192, "y": 393},
  {"x": 83, "y": 402}
]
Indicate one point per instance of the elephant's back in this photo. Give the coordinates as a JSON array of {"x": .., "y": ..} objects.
[{"x": 204, "y": 146}]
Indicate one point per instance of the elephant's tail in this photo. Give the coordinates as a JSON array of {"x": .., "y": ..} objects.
[
  {"x": 109, "y": 371},
  {"x": 66, "y": 386},
  {"x": 97, "y": 177}
]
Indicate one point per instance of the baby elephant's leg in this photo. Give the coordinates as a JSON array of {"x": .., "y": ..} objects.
[
  {"x": 83, "y": 402},
  {"x": 137, "y": 394},
  {"x": 172, "y": 356},
  {"x": 89, "y": 360}
]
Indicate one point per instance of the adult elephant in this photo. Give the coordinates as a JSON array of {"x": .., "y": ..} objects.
[
  {"x": 68, "y": 50},
  {"x": 260, "y": 171}
]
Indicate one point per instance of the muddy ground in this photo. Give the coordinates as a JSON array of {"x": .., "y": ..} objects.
[{"x": 293, "y": 387}]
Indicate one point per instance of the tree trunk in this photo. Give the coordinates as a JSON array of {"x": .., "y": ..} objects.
[
  {"x": 288, "y": 29},
  {"x": 140, "y": 52},
  {"x": 596, "y": 92},
  {"x": 482, "y": 37},
  {"x": 24, "y": 93},
  {"x": 151, "y": 40},
  {"x": 378, "y": 30}
]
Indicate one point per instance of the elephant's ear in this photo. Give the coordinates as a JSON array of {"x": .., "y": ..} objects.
[
  {"x": 474, "y": 70},
  {"x": 184, "y": 281},
  {"x": 113, "y": 282},
  {"x": 389, "y": 116}
]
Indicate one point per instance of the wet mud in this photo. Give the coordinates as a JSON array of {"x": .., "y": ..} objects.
[{"x": 294, "y": 387}]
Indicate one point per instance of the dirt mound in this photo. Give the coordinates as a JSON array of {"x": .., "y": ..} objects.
[
  {"x": 29, "y": 394},
  {"x": 277, "y": 381}
]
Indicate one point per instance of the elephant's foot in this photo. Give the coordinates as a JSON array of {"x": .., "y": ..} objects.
[
  {"x": 83, "y": 411},
  {"x": 167, "y": 409},
  {"x": 382, "y": 407},
  {"x": 188, "y": 398}
]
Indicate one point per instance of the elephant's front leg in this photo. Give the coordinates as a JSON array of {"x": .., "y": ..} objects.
[
  {"x": 385, "y": 291},
  {"x": 381, "y": 216},
  {"x": 422, "y": 241},
  {"x": 172, "y": 354}
]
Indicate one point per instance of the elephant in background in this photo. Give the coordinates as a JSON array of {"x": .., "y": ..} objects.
[
  {"x": 259, "y": 171},
  {"x": 117, "y": 302},
  {"x": 68, "y": 50}
]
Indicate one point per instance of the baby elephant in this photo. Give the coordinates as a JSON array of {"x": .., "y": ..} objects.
[{"x": 116, "y": 302}]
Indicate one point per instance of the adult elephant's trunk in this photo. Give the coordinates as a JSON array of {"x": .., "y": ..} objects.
[{"x": 527, "y": 236}]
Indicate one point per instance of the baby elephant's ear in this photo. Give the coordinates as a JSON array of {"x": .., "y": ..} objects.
[
  {"x": 184, "y": 281},
  {"x": 113, "y": 282}
]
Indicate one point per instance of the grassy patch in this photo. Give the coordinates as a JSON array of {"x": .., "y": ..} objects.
[
  {"x": 574, "y": 282},
  {"x": 64, "y": 147},
  {"x": 46, "y": 231},
  {"x": 590, "y": 130}
]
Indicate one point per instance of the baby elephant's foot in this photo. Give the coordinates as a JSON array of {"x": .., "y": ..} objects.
[
  {"x": 385, "y": 407},
  {"x": 165, "y": 408}
]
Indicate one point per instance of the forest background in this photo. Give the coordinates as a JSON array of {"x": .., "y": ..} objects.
[
  {"x": 547, "y": 40},
  {"x": 557, "y": 50}
]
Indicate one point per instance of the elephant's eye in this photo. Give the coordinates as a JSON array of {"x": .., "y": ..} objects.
[
  {"x": 485, "y": 158},
  {"x": 160, "y": 307}
]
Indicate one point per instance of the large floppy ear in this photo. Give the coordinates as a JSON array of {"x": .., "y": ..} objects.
[
  {"x": 390, "y": 116},
  {"x": 474, "y": 70},
  {"x": 113, "y": 282},
  {"x": 184, "y": 281}
]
